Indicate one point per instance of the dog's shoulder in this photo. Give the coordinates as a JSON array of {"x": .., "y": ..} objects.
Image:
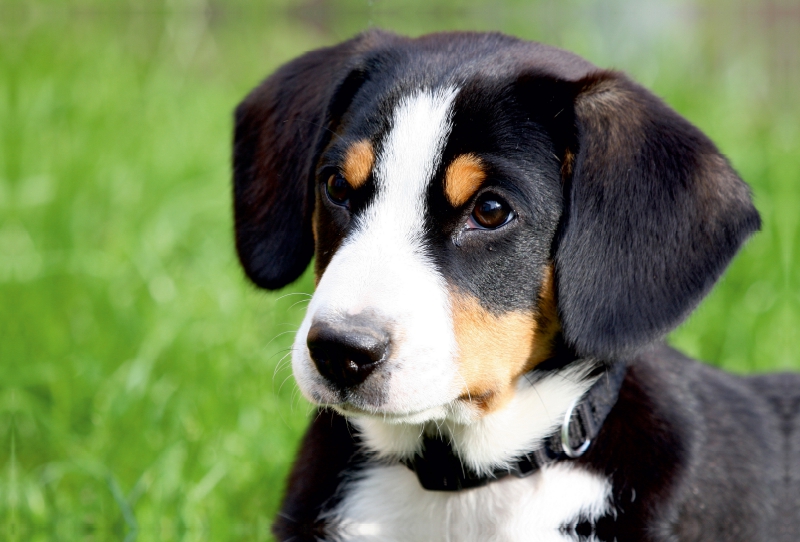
[{"x": 705, "y": 448}]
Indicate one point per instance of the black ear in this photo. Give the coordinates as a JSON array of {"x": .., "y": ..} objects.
[
  {"x": 280, "y": 130},
  {"x": 654, "y": 214}
]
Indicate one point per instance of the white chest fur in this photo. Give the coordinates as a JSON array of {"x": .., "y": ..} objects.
[{"x": 386, "y": 503}]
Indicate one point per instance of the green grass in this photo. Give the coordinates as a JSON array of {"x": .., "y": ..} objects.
[{"x": 141, "y": 381}]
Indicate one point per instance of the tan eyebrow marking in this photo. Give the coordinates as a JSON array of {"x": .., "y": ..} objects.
[
  {"x": 462, "y": 178},
  {"x": 358, "y": 162}
]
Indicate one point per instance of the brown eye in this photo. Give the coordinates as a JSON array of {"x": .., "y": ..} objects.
[
  {"x": 338, "y": 189},
  {"x": 490, "y": 213}
]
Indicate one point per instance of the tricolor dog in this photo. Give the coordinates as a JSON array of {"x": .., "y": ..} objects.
[{"x": 502, "y": 235}]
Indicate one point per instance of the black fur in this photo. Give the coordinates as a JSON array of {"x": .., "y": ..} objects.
[
  {"x": 281, "y": 128},
  {"x": 313, "y": 483},
  {"x": 693, "y": 454},
  {"x": 649, "y": 212},
  {"x": 487, "y": 122},
  {"x": 697, "y": 454},
  {"x": 655, "y": 214},
  {"x": 636, "y": 209}
]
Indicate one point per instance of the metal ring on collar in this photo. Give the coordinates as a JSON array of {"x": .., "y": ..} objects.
[{"x": 565, "y": 445}]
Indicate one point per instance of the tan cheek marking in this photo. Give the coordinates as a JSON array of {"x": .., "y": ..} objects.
[
  {"x": 462, "y": 179},
  {"x": 495, "y": 350},
  {"x": 358, "y": 163}
]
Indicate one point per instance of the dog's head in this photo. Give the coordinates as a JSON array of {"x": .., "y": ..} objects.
[{"x": 472, "y": 200}]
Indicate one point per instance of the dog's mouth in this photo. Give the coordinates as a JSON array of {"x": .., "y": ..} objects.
[
  {"x": 416, "y": 417},
  {"x": 374, "y": 400}
]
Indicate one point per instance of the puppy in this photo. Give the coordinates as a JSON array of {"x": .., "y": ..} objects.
[{"x": 503, "y": 233}]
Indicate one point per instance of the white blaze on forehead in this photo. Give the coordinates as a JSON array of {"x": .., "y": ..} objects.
[
  {"x": 411, "y": 153},
  {"x": 383, "y": 268}
]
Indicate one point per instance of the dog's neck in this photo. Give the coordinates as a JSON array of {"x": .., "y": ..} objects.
[{"x": 494, "y": 440}]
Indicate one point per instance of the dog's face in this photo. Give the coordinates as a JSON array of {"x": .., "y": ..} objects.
[
  {"x": 471, "y": 201},
  {"x": 433, "y": 231}
]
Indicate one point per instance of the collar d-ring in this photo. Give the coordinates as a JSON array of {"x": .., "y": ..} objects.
[{"x": 565, "y": 444}]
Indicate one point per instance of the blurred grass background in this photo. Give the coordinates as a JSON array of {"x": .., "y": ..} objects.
[{"x": 142, "y": 388}]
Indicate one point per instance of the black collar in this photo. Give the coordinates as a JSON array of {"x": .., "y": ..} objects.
[{"x": 439, "y": 469}]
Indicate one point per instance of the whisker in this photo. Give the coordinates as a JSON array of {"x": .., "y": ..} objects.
[
  {"x": 547, "y": 412},
  {"x": 293, "y": 305},
  {"x": 292, "y": 324},
  {"x": 280, "y": 363},
  {"x": 292, "y": 398},
  {"x": 280, "y": 334},
  {"x": 283, "y": 383},
  {"x": 464, "y": 381},
  {"x": 293, "y": 293},
  {"x": 281, "y": 351}
]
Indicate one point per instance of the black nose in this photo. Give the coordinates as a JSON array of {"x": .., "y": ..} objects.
[{"x": 346, "y": 353}]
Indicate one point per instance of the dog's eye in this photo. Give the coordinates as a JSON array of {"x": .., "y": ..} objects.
[
  {"x": 490, "y": 213},
  {"x": 338, "y": 189}
]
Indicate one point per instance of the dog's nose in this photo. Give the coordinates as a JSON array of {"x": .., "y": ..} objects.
[{"x": 346, "y": 353}]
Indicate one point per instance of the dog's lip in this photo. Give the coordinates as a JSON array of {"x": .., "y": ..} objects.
[{"x": 426, "y": 414}]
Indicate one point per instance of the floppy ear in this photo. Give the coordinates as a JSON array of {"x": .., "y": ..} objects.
[
  {"x": 654, "y": 214},
  {"x": 281, "y": 128}
]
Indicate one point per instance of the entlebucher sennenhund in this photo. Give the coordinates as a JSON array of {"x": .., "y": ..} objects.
[{"x": 503, "y": 234}]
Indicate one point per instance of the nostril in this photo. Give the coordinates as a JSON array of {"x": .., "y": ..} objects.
[{"x": 346, "y": 354}]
